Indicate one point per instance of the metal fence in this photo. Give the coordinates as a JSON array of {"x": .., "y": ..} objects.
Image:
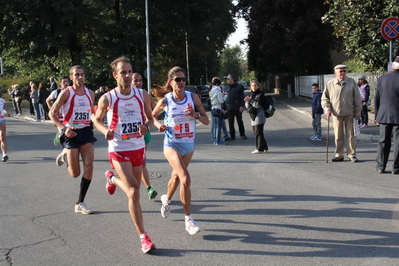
[{"x": 303, "y": 84}]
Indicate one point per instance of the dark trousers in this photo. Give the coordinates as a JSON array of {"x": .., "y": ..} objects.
[
  {"x": 365, "y": 115},
  {"x": 238, "y": 115},
  {"x": 37, "y": 111},
  {"x": 31, "y": 108},
  {"x": 14, "y": 105},
  {"x": 384, "y": 146},
  {"x": 45, "y": 110},
  {"x": 18, "y": 106},
  {"x": 260, "y": 141}
]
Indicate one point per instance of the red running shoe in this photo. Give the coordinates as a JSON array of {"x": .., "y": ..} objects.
[
  {"x": 109, "y": 187},
  {"x": 146, "y": 244}
]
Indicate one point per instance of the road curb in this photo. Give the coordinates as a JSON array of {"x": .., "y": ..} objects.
[{"x": 360, "y": 137}]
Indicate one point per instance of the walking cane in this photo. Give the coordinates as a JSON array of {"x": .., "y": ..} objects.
[{"x": 328, "y": 135}]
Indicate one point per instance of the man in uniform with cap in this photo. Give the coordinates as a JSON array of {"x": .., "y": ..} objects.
[
  {"x": 341, "y": 99},
  {"x": 386, "y": 107}
]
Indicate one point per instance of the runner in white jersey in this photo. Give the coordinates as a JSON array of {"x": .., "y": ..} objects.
[
  {"x": 179, "y": 126},
  {"x": 3, "y": 142},
  {"x": 129, "y": 118},
  {"x": 64, "y": 82},
  {"x": 76, "y": 133},
  {"x": 77, "y": 110},
  {"x": 126, "y": 114}
]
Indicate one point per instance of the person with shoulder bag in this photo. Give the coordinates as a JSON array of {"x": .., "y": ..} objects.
[
  {"x": 364, "y": 90},
  {"x": 255, "y": 105},
  {"x": 217, "y": 99},
  {"x": 11, "y": 93},
  {"x": 18, "y": 99}
]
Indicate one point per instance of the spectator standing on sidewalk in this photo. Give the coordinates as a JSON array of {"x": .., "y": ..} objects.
[
  {"x": 14, "y": 105},
  {"x": 364, "y": 90},
  {"x": 235, "y": 106},
  {"x": 255, "y": 105},
  {"x": 43, "y": 94},
  {"x": 17, "y": 93},
  {"x": 386, "y": 106},
  {"x": 28, "y": 92},
  {"x": 317, "y": 111},
  {"x": 3, "y": 142},
  {"x": 341, "y": 99},
  {"x": 217, "y": 99},
  {"x": 53, "y": 85},
  {"x": 35, "y": 100}
]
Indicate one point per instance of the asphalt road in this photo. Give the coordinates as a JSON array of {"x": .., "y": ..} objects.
[{"x": 286, "y": 207}]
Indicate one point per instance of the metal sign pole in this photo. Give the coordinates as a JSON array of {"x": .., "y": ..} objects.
[
  {"x": 1, "y": 66},
  {"x": 390, "y": 51},
  {"x": 188, "y": 64},
  {"x": 148, "y": 47}
]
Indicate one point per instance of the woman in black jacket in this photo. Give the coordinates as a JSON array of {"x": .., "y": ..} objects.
[{"x": 255, "y": 105}]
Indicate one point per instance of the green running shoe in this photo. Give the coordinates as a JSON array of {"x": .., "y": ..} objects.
[
  {"x": 152, "y": 193},
  {"x": 56, "y": 139}
]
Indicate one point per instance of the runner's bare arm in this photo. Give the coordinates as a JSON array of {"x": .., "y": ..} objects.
[
  {"x": 203, "y": 118},
  {"x": 92, "y": 100},
  {"x": 148, "y": 110},
  {"x": 158, "y": 108},
  {"x": 97, "y": 118}
]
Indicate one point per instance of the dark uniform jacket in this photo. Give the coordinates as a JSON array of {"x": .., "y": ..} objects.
[
  {"x": 386, "y": 99},
  {"x": 235, "y": 97}
]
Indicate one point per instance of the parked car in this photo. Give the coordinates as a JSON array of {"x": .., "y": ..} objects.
[
  {"x": 244, "y": 84},
  {"x": 193, "y": 89},
  {"x": 204, "y": 93}
]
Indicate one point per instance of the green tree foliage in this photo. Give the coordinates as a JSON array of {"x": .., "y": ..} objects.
[
  {"x": 231, "y": 61},
  {"x": 42, "y": 38},
  {"x": 358, "y": 23},
  {"x": 287, "y": 36}
]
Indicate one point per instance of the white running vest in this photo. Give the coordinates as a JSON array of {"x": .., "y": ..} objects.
[
  {"x": 53, "y": 96},
  {"x": 181, "y": 128},
  {"x": 125, "y": 114},
  {"x": 77, "y": 109}
]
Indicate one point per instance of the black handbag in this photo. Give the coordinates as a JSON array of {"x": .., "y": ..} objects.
[
  {"x": 217, "y": 113},
  {"x": 252, "y": 112}
]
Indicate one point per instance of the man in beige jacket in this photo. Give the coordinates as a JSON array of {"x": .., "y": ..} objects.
[{"x": 341, "y": 98}]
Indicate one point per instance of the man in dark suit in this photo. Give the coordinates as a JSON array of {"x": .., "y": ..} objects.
[
  {"x": 53, "y": 85},
  {"x": 235, "y": 106},
  {"x": 387, "y": 117}
]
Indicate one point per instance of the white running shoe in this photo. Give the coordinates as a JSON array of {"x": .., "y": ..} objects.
[
  {"x": 256, "y": 152},
  {"x": 82, "y": 207},
  {"x": 165, "y": 209},
  {"x": 191, "y": 227},
  {"x": 61, "y": 158}
]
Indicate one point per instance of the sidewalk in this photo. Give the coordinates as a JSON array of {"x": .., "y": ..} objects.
[
  {"x": 301, "y": 105},
  {"x": 25, "y": 112},
  {"x": 304, "y": 106}
]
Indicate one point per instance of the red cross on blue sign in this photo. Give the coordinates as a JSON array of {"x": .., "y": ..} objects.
[{"x": 390, "y": 29}]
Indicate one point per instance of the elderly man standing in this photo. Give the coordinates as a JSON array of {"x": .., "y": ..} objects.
[
  {"x": 386, "y": 108},
  {"x": 341, "y": 98}
]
